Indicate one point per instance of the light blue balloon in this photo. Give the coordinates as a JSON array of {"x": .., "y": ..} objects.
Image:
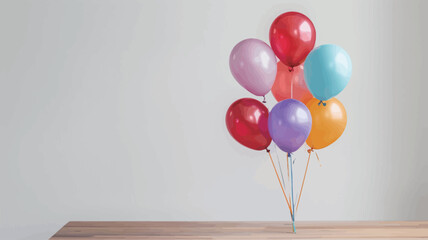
[{"x": 327, "y": 69}]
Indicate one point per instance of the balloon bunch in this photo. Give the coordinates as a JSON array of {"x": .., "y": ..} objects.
[{"x": 304, "y": 82}]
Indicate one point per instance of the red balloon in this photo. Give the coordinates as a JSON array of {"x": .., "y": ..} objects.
[
  {"x": 290, "y": 84},
  {"x": 247, "y": 122},
  {"x": 292, "y": 36}
]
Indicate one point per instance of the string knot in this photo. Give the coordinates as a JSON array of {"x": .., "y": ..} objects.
[{"x": 322, "y": 102}]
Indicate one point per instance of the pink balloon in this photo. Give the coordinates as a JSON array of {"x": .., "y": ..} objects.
[
  {"x": 290, "y": 83},
  {"x": 253, "y": 64}
]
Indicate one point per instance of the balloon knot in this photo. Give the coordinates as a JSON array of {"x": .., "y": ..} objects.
[
  {"x": 264, "y": 99},
  {"x": 290, "y": 69},
  {"x": 267, "y": 150},
  {"x": 322, "y": 102},
  {"x": 310, "y": 150}
]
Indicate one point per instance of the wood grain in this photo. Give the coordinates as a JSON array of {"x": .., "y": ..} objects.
[{"x": 241, "y": 230}]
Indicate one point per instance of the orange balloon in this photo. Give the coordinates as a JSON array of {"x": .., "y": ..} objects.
[
  {"x": 328, "y": 122},
  {"x": 290, "y": 84}
]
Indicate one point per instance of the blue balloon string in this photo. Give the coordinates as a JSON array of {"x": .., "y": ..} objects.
[{"x": 292, "y": 194}]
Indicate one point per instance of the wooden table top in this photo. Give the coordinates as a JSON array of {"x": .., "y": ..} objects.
[{"x": 241, "y": 230}]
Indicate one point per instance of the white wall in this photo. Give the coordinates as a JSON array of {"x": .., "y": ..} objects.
[{"x": 114, "y": 110}]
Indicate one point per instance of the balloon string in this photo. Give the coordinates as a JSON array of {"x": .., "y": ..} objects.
[
  {"x": 316, "y": 154},
  {"x": 280, "y": 168},
  {"x": 292, "y": 194},
  {"x": 288, "y": 175},
  {"x": 279, "y": 180},
  {"x": 288, "y": 170},
  {"x": 291, "y": 88},
  {"x": 290, "y": 69},
  {"x": 304, "y": 177}
]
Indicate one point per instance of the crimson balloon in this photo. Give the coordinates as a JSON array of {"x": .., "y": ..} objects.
[
  {"x": 247, "y": 122},
  {"x": 292, "y": 36}
]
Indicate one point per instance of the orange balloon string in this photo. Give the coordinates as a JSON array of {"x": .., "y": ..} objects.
[
  {"x": 316, "y": 154},
  {"x": 304, "y": 177},
  {"x": 279, "y": 180}
]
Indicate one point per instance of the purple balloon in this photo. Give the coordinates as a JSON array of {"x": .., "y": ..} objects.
[
  {"x": 253, "y": 64},
  {"x": 289, "y": 124}
]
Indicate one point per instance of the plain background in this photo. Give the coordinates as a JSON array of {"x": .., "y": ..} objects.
[{"x": 114, "y": 110}]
